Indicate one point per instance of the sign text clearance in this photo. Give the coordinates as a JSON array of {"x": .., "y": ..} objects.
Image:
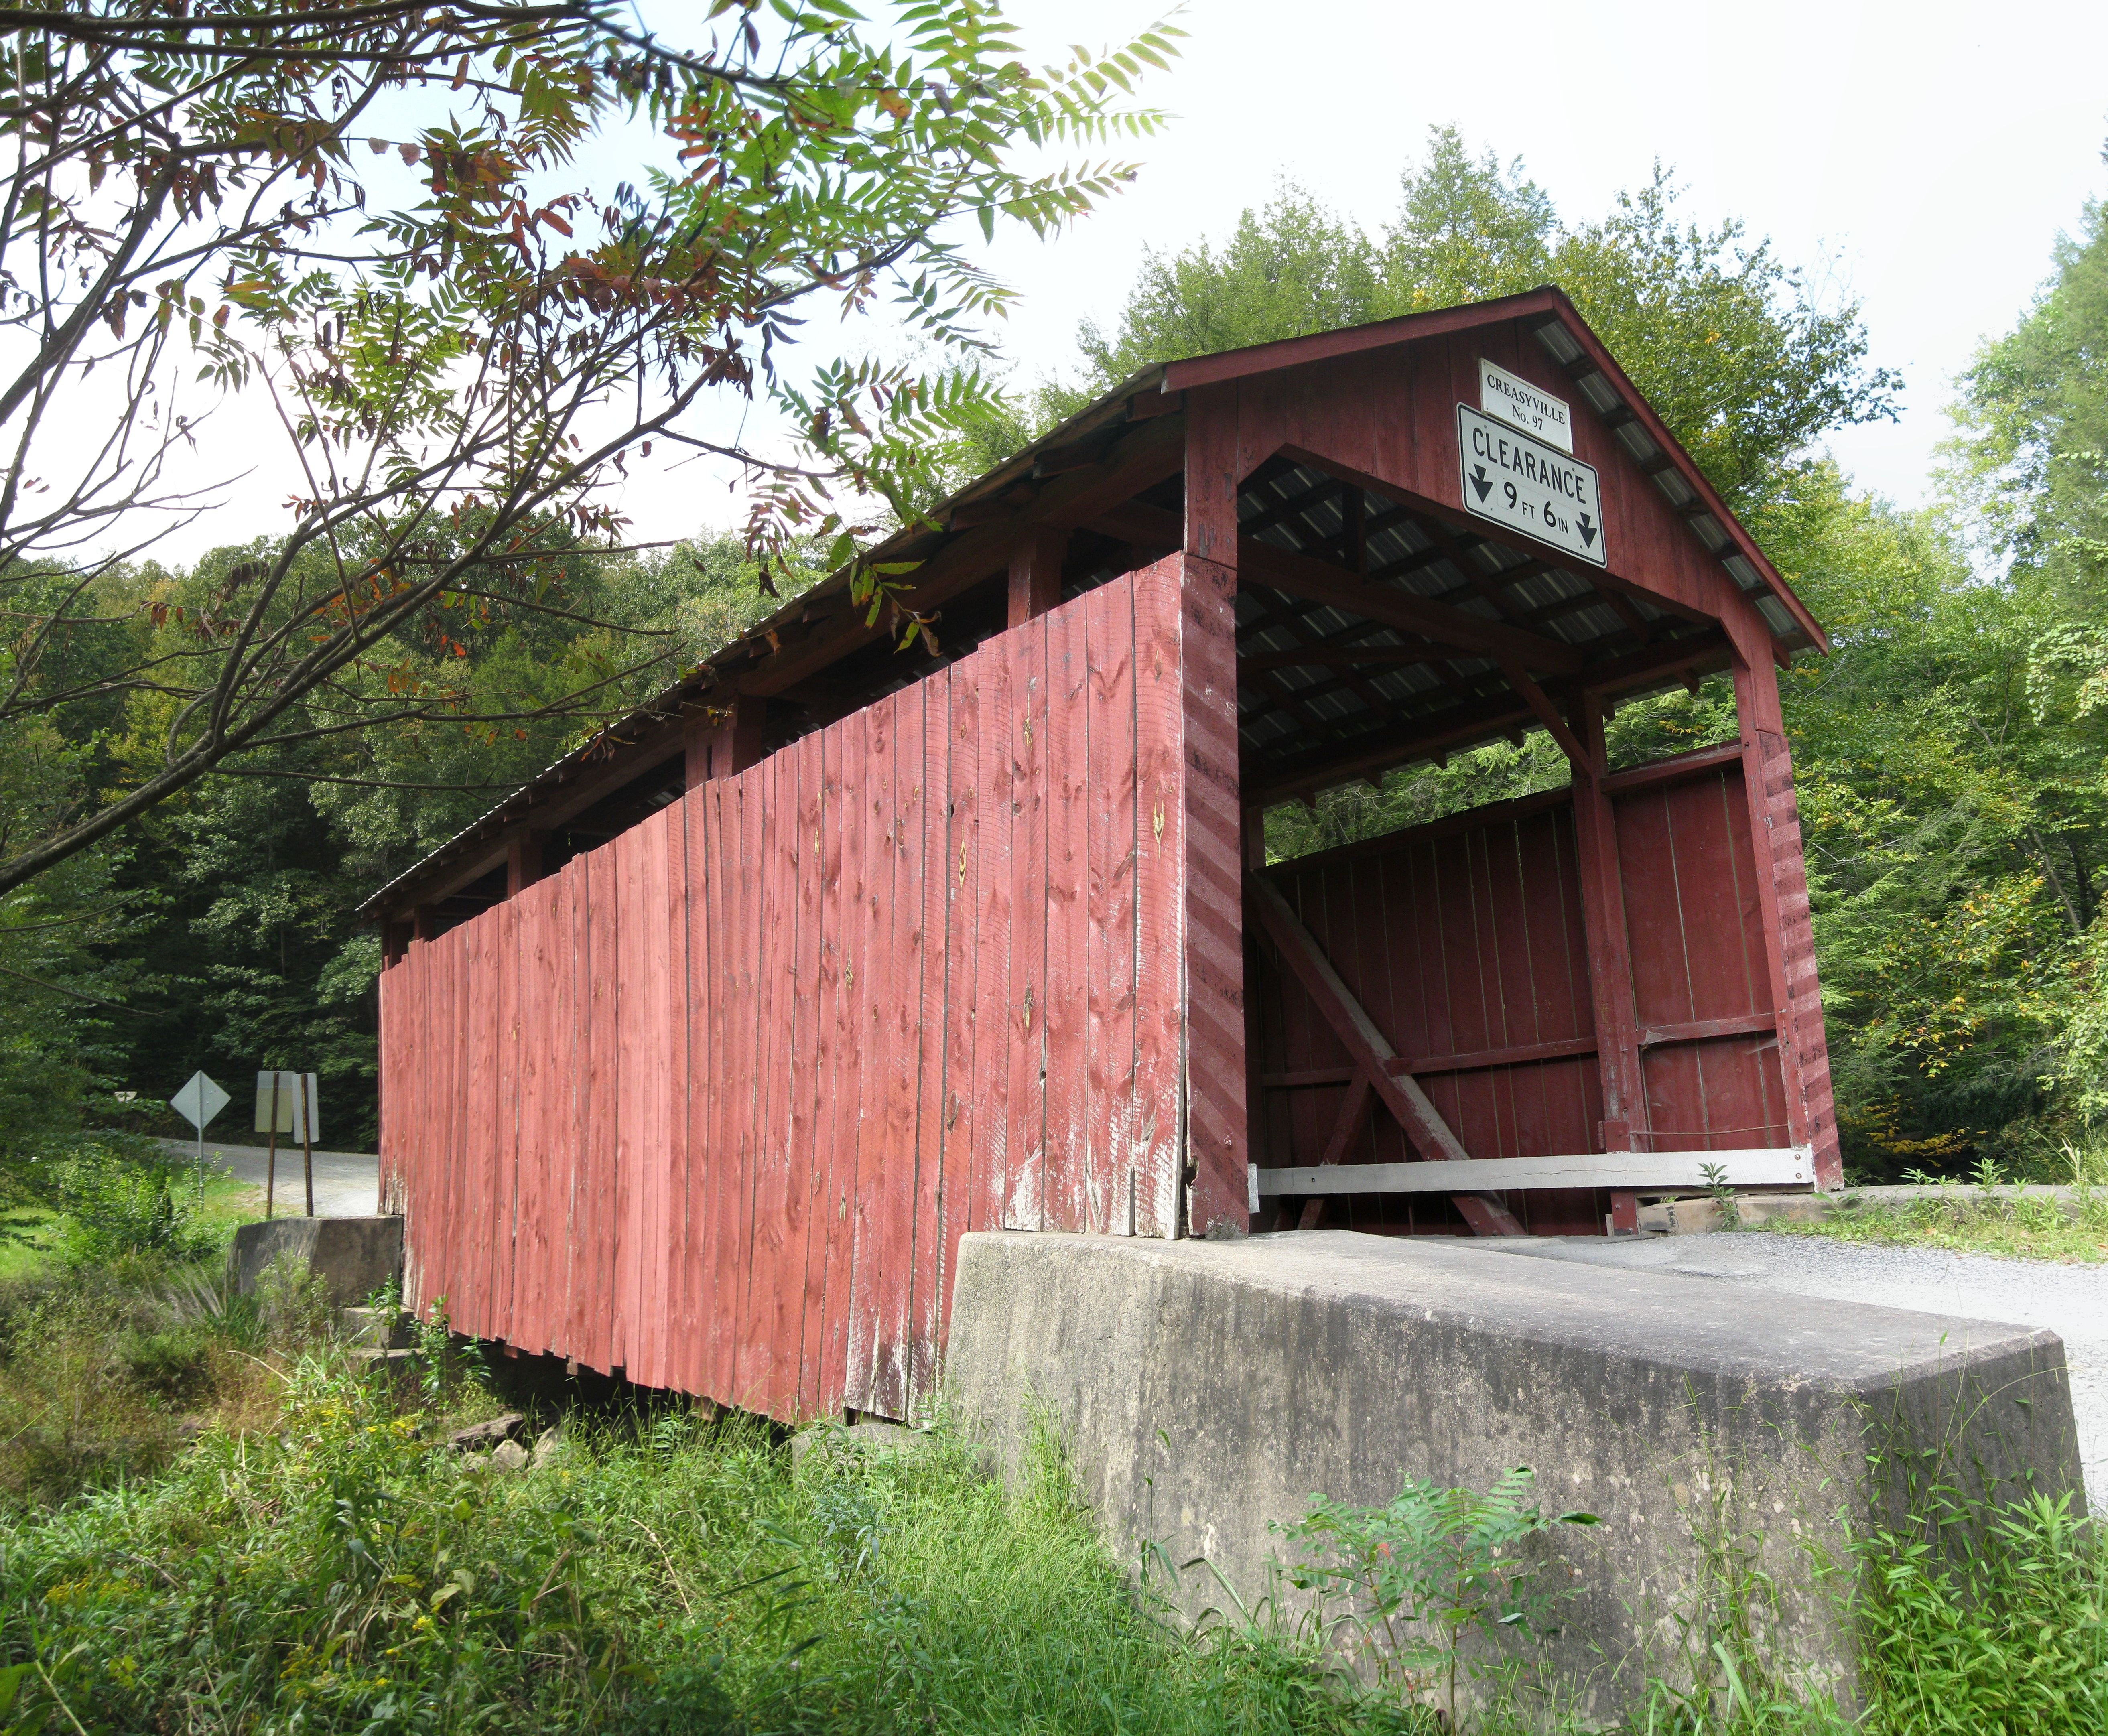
[
  {"x": 1507, "y": 398},
  {"x": 1527, "y": 485}
]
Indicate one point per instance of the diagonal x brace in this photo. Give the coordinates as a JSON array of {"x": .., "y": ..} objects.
[{"x": 1370, "y": 1050}]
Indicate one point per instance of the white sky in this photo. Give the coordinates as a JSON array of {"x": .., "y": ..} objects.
[{"x": 1922, "y": 158}]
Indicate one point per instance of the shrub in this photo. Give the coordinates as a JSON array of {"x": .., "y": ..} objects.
[{"x": 119, "y": 1195}]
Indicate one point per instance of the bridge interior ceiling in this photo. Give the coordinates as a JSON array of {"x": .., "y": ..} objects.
[{"x": 1319, "y": 683}]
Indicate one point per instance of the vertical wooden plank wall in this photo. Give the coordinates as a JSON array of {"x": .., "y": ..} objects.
[
  {"x": 1464, "y": 941},
  {"x": 712, "y": 1104}
]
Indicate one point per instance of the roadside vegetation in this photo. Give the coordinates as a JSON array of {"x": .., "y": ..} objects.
[
  {"x": 213, "y": 1517},
  {"x": 1992, "y": 1212},
  {"x": 1968, "y": 1218}
]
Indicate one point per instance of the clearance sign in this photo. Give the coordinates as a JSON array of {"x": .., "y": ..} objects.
[{"x": 1527, "y": 486}]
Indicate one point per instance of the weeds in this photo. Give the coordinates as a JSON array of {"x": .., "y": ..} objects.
[
  {"x": 1984, "y": 1217},
  {"x": 1419, "y": 1577}
]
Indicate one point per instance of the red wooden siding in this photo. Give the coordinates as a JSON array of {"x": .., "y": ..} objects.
[
  {"x": 1460, "y": 939},
  {"x": 1388, "y": 418},
  {"x": 1696, "y": 928},
  {"x": 712, "y": 1104},
  {"x": 1464, "y": 942}
]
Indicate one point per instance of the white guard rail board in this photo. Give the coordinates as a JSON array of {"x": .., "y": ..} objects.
[{"x": 1768, "y": 1166}]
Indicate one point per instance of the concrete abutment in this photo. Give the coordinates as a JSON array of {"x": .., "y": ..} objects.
[{"x": 1206, "y": 1390}]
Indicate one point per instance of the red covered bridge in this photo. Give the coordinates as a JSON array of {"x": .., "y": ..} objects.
[{"x": 699, "y": 1052}]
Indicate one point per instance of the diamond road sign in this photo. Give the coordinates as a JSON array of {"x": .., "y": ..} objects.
[
  {"x": 199, "y": 1101},
  {"x": 1530, "y": 487}
]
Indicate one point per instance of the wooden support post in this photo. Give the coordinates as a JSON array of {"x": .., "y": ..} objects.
[
  {"x": 424, "y": 922},
  {"x": 1035, "y": 572},
  {"x": 394, "y": 940},
  {"x": 522, "y": 860},
  {"x": 698, "y": 732},
  {"x": 1254, "y": 837},
  {"x": 1625, "y": 1120},
  {"x": 1253, "y": 840},
  {"x": 724, "y": 740},
  {"x": 1781, "y": 878},
  {"x": 1217, "y": 1125},
  {"x": 1625, "y": 1215},
  {"x": 1370, "y": 1050}
]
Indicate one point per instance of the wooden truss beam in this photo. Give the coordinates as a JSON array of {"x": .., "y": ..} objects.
[
  {"x": 1311, "y": 579},
  {"x": 1547, "y": 713},
  {"x": 1370, "y": 1050}
]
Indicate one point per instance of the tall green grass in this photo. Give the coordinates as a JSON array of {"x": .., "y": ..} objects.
[{"x": 350, "y": 1572}]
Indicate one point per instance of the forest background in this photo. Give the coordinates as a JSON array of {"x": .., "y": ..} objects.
[{"x": 1952, "y": 751}]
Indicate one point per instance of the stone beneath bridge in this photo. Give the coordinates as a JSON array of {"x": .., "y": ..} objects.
[{"x": 1207, "y": 1388}]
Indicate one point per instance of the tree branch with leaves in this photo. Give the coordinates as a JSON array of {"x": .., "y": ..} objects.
[{"x": 376, "y": 217}]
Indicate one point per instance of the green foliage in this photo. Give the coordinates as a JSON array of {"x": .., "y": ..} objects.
[
  {"x": 292, "y": 1303},
  {"x": 123, "y": 1198},
  {"x": 106, "y": 1366},
  {"x": 1727, "y": 343},
  {"x": 347, "y": 1571},
  {"x": 1436, "y": 1567},
  {"x": 2013, "y": 1637},
  {"x": 1983, "y": 1216}
]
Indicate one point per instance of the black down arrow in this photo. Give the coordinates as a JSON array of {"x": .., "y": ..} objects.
[
  {"x": 1480, "y": 481},
  {"x": 1588, "y": 530}
]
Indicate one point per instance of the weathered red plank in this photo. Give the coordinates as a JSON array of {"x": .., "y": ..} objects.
[
  {"x": 763, "y": 1348},
  {"x": 568, "y": 1263},
  {"x": 1810, "y": 1050},
  {"x": 851, "y": 891},
  {"x": 932, "y": 878},
  {"x": 872, "y": 963},
  {"x": 1025, "y": 1011},
  {"x": 688, "y": 930},
  {"x": 752, "y": 940},
  {"x": 960, "y": 860},
  {"x": 505, "y": 1192},
  {"x": 1110, "y": 1185},
  {"x": 899, "y": 1044},
  {"x": 717, "y": 1256},
  {"x": 1068, "y": 918},
  {"x": 995, "y": 794},
  {"x": 545, "y": 1074},
  {"x": 1214, "y": 924},
  {"x": 821, "y": 815},
  {"x": 626, "y": 1107},
  {"x": 672, "y": 1302},
  {"x": 598, "y": 1200},
  {"x": 804, "y": 1169}
]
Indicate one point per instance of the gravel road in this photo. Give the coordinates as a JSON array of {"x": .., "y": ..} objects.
[
  {"x": 347, "y": 1183},
  {"x": 2072, "y": 1302}
]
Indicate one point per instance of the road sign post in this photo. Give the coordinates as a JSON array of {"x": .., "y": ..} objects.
[
  {"x": 287, "y": 1103},
  {"x": 197, "y": 1102}
]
